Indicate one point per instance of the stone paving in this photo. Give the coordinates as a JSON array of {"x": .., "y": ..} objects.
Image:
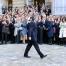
[{"x": 12, "y": 55}]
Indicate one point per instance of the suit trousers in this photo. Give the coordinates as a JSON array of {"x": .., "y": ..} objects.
[{"x": 34, "y": 43}]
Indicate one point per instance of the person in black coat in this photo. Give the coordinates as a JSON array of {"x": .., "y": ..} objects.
[
  {"x": 50, "y": 30},
  {"x": 1, "y": 30},
  {"x": 57, "y": 31},
  {"x": 32, "y": 38},
  {"x": 11, "y": 29},
  {"x": 40, "y": 32}
]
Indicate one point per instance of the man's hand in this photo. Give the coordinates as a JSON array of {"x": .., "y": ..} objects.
[{"x": 29, "y": 38}]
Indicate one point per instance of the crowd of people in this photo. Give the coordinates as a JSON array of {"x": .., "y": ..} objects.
[{"x": 13, "y": 25}]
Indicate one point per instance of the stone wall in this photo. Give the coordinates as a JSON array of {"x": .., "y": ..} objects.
[
  {"x": 48, "y": 3},
  {"x": 18, "y": 3}
]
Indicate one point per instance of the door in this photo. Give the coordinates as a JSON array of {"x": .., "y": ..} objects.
[
  {"x": 39, "y": 2},
  {"x": 9, "y": 4}
]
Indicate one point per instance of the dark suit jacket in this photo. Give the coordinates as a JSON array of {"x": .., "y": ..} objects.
[
  {"x": 49, "y": 26},
  {"x": 32, "y": 30},
  {"x": 1, "y": 25}
]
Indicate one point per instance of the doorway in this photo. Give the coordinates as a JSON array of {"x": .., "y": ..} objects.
[
  {"x": 39, "y": 2},
  {"x": 10, "y": 4}
]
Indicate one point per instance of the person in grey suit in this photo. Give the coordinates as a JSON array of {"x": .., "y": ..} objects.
[{"x": 32, "y": 39}]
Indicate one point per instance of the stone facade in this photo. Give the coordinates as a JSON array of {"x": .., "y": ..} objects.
[
  {"x": 18, "y": 3},
  {"x": 48, "y": 3}
]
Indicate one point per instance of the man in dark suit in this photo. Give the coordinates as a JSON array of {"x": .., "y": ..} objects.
[
  {"x": 50, "y": 30},
  {"x": 40, "y": 31},
  {"x": 32, "y": 39}
]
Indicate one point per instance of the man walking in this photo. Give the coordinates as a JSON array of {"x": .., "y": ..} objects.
[{"x": 32, "y": 39}]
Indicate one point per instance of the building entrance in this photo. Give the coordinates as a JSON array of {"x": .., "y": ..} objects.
[
  {"x": 39, "y": 2},
  {"x": 9, "y": 4}
]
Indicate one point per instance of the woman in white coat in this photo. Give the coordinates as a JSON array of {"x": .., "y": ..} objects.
[
  {"x": 17, "y": 28},
  {"x": 62, "y": 26}
]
